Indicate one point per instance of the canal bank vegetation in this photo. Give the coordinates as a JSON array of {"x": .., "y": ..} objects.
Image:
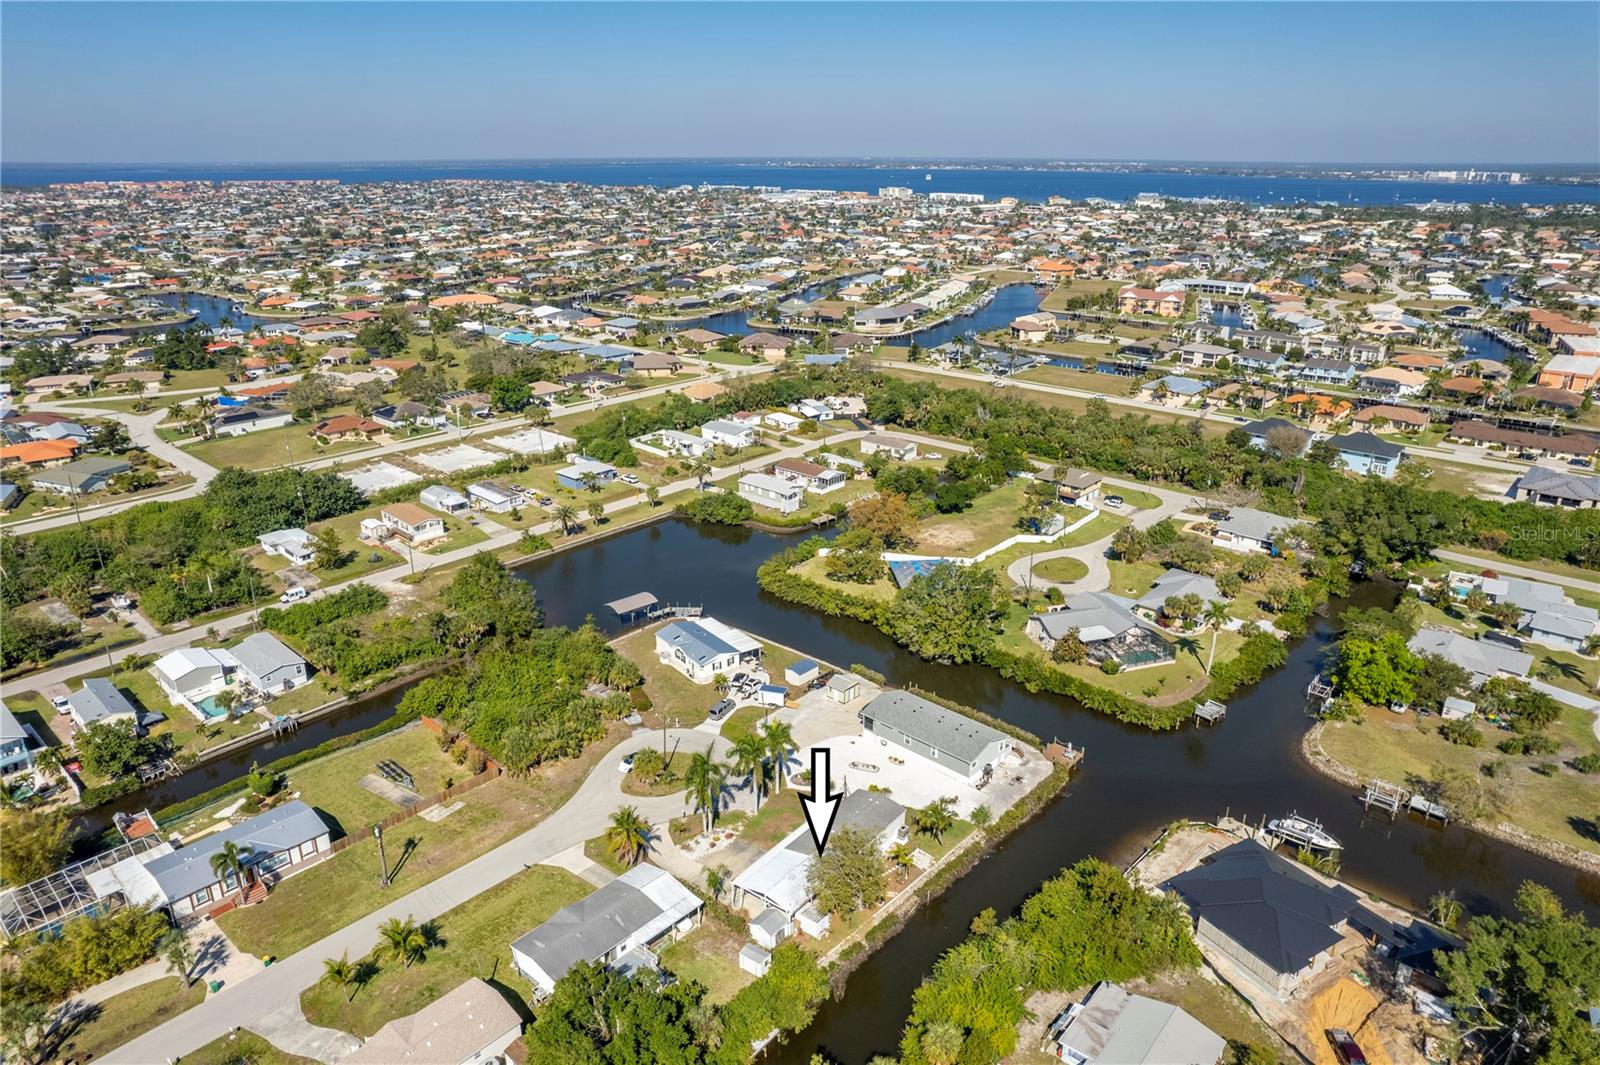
[{"x": 1086, "y": 925}]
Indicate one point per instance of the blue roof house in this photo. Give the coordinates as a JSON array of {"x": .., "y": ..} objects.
[{"x": 703, "y": 647}]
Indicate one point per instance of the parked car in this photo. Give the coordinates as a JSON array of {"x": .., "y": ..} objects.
[
  {"x": 628, "y": 478},
  {"x": 1114, "y": 502},
  {"x": 721, "y": 710},
  {"x": 626, "y": 765},
  {"x": 293, "y": 595},
  {"x": 60, "y": 703},
  {"x": 1345, "y": 1047}
]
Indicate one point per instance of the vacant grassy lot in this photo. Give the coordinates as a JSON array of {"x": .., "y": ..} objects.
[
  {"x": 331, "y": 784},
  {"x": 475, "y": 939},
  {"x": 816, "y": 569},
  {"x": 991, "y": 519},
  {"x": 271, "y": 447},
  {"x": 1557, "y": 803},
  {"x": 1104, "y": 383},
  {"x": 128, "y": 1016}
]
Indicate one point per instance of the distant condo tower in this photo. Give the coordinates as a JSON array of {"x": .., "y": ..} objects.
[{"x": 894, "y": 192}]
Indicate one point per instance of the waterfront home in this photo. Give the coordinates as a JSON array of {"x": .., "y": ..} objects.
[
  {"x": 654, "y": 364},
  {"x": 583, "y": 470},
  {"x": 411, "y": 523},
  {"x": 1174, "y": 391},
  {"x": 267, "y": 664},
  {"x": 615, "y": 927},
  {"x": 1524, "y": 441},
  {"x": 768, "y": 346},
  {"x": 894, "y": 316},
  {"x": 471, "y": 1024},
  {"x": 1404, "y": 419},
  {"x": 1256, "y": 360},
  {"x": 445, "y": 499},
  {"x": 952, "y": 741},
  {"x": 1107, "y": 626},
  {"x": 812, "y": 477},
  {"x": 674, "y": 442},
  {"x": 1202, "y": 356},
  {"x": 774, "y": 493},
  {"x": 1549, "y": 616},
  {"x": 16, "y": 756},
  {"x": 99, "y": 702},
  {"x": 1327, "y": 371},
  {"x": 775, "y": 891},
  {"x": 1557, "y": 488},
  {"x": 1572, "y": 373},
  {"x": 728, "y": 433},
  {"x": 1178, "y": 582},
  {"x": 1247, "y": 529},
  {"x": 287, "y": 837},
  {"x": 251, "y": 419},
  {"x": 293, "y": 545},
  {"x": 191, "y": 675},
  {"x": 701, "y": 648},
  {"x": 81, "y": 476},
  {"x": 1080, "y": 488},
  {"x": 1264, "y": 917},
  {"x": 494, "y": 498},
  {"x": 1480, "y": 658},
  {"x": 1032, "y": 328},
  {"x": 1132, "y": 300},
  {"x": 896, "y": 447},
  {"x": 1113, "y": 1026},
  {"x": 1365, "y": 453}
]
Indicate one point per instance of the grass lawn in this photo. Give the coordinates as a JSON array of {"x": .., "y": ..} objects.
[
  {"x": 1062, "y": 570},
  {"x": 331, "y": 784},
  {"x": 271, "y": 447},
  {"x": 1056, "y": 299},
  {"x": 129, "y": 1015},
  {"x": 599, "y": 852},
  {"x": 672, "y": 695},
  {"x": 475, "y": 938},
  {"x": 1133, "y": 578},
  {"x": 731, "y": 358},
  {"x": 816, "y": 569},
  {"x": 709, "y": 954},
  {"x": 1137, "y": 498},
  {"x": 991, "y": 518},
  {"x": 780, "y": 814},
  {"x": 1398, "y": 747},
  {"x": 1213, "y": 1004},
  {"x": 243, "y": 1047},
  {"x": 310, "y": 905},
  {"x": 1087, "y": 381}
]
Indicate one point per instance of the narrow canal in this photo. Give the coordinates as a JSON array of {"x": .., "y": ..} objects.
[
  {"x": 1009, "y": 302},
  {"x": 1133, "y": 781}
]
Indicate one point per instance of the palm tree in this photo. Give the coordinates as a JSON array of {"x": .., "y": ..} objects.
[
  {"x": 179, "y": 952},
  {"x": 404, "y": 940},
  {"x": 749, "y": 755},
  {"x": 566, "y": 517},
  {"x": 779, "y": 738},
  {"x": 716, "y": 880},
  {"x": 231, "y": 861},
  {"x": 900, "y": 855},
  {"x": 936, "y": 819},
  {"x": 942, "y": 1043},
  {"x": 698, "y": 469},
  {"x": 705, "y": 780},
  {"x": 1216, "y": 616},
  {"x": 628, "y": 837},
  {"x": 341, "y": 973}
]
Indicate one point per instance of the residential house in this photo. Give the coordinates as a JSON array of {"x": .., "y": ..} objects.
[
  {"x": 411, "y": 523},
  {"x": 1107, "y": 626},
  {"x": 189, "y": 675},
  {"x": 346, "y": 427},
  {"x": 815, "y": 478},
  {"x": 584, "y": 470},
  {"x": 494, "y": 498},
  {"x": 1176, "y": 583},
  {"x": 1246, "y": 529},
  {"x": 1480, "y": 658},
  {"x": 1404, "y": 419},
  {"x": 896, "y": 447},
  {"x": 445, "y": 499},
  {"x": 1526, "y": 442},
  {"x": 954, "y": 742},
  {"x": 1266, "y": 917},
  {"x": 470, "y": 1025},
  {"x": 615, "y": 927},
  {"x": 285, "y": 838},
  {"x": 16, "y": 756},
  {"x": 251, "y": 419},
  {"x": 1392, "y": 381},
  {"x": 81, "y": 476},
  {"x": 1573, "y": 373},
  {"x": 1080, "y": 488},
  {"x": 895, "y": 316},
  {"x": 1132, "y": 300},
  {"x": 1557, "y": 488},
  {"x": 768, "y": 346},
  {"x": 1549, "y": 616},
  {"x": 1202, "y": 356},
  {"x": 407, "y": 413},
  {"x": 267, "y": 664},
  {"x": 1365, "y": 453},
  {"x": 774, "y": 493},
  {"x": 99, "y": 702},
  {"x": 655, "y": 364},
  {"x": 1113, "y": 1026},
  {"x": 1033, "y": 328},
  {"x": 293, "y": 545},
  {"x": 701, "y": 648},
  {"x": 1174, "y": 391},
  {"x": 1277, "y": 434},
  {"x": 1327, "y": 371},
  {"x": 728, "y": 433}
]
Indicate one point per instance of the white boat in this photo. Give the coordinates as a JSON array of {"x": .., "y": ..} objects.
[{"x": 1304, "y": 832}]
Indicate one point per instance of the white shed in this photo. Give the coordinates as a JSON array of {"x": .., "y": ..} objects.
[{"x": 753, "y": 959}]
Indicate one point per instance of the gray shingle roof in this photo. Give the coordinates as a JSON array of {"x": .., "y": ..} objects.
[
  {"x": 1546, "y": 481},
  {"x": 932, "y": 724},
  {"x": 188, "y": 869},
  {"x": 261, "y": 652}
]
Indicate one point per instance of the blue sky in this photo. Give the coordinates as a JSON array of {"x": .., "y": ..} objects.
[{"x": 138, "y": 82}]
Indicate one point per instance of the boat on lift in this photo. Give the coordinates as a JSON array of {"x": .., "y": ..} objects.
[{"x": 1303, "y": 832}]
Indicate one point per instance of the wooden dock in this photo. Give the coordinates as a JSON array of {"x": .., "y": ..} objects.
[
  {"x": 1210, "y": 712},
  {"x": 1065, "y": 755}
]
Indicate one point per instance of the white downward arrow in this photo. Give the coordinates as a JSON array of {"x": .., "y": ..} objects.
[{"x": 823, "y": 802}]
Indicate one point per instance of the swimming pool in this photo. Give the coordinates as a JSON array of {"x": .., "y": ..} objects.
[{"x": 209, "y": 708}]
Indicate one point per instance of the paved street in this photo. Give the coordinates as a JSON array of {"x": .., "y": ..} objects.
[{"x": 1093, "y": 555}]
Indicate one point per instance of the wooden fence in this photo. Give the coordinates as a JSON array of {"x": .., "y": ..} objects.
[{"x": 492, "y": 770}]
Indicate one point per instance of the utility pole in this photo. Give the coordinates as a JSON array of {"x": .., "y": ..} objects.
[{"x": 383, "y": 860}]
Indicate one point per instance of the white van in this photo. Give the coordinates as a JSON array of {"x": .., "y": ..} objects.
[{"x": 293, "y": 595}]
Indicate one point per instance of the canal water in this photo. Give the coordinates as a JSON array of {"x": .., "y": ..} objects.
[
  {"x": 209, "y": 311},
  {"x": 1482, "y": 345},
  {"x": 1132, "y": 781}
]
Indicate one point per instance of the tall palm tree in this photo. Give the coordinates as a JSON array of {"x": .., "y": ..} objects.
[
  {"x": 404, "y": 940},
  {"x": 779, "y": 738},
  {"x": 705, "y": 780},
  {"x": 1216, "y": 616},
  {"x": 232, "y": 861},
  {"x": 749, "y": 755},
  {"x": 698, "y": 469},
  {"x": 566, "y": 517},
  {"x": 628, "y": 837}
]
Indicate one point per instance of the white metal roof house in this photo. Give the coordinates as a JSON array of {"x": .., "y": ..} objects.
[
  {"x": 189, "y": 674},
  {"x": 700, "y": 648},
  {"x": 615, "y": 926},
  {"x": 1246, "y": 529},
  {"x": 443, "y": 498},
  {"x": 495, "y": 498},
  {"x": 774, "y": 493},
  {"x": 727, "y": 433},
  {"x": 292, "y": 544},
  {"x": 268, "y": 664},
  {"x": 1113, "y": 1026},
  {"x": 970, "y": 749}
]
